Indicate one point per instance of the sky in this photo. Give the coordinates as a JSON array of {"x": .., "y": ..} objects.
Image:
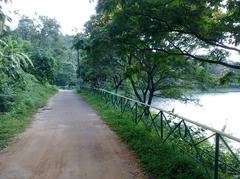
[{"x": 71, "y": 14}]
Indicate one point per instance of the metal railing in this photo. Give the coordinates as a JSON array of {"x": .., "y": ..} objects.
[{"x": 215, "y": 150}]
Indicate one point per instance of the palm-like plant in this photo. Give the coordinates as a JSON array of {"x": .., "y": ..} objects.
[
  {"x": 12, "y": 65},
  {"x": 12, "y": 60}
]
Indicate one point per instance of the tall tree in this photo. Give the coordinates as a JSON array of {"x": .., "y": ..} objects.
[
  {"x": 78, "y": 44},
  {"x": 157, "y": 45},
  {"x": 44, "y": 35},
  {"x": 185, "y": 26}
]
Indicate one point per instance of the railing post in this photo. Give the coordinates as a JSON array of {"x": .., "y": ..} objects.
[
  {"x": 121, "y": 104},
  {"x": 161, "y": 121},
  {"x": 136, "y": 113},
  {"x": 216, "y": 164}
]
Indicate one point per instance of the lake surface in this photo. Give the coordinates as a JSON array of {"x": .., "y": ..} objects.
[{"x": 217, "y": 110}]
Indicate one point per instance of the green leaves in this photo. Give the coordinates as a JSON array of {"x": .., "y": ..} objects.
[
  {"x": 226, "y": 77},
  {"x": 160, "y": 46},
  {"x": 26, "y": 56},
  {"x": 6, "y": 94},
  {"x": 78, "y": 42},
  {"x": 25, "y": 60},
  {"x": 43, "y": 66},
  {"x": 4, "y": 44},
  {"x": 12, "y": 60}
]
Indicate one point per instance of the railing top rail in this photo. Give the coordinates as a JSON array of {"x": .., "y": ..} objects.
[{"x": 178, "y": 116}]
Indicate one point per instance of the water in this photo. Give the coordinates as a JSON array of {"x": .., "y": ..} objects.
[{"x": 218, "y": 110}]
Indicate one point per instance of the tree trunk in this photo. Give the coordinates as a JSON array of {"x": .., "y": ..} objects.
[
  {"x": 78, "y": 64},
  {"x": 136, "y": 90},
  {"x": 150, "y": 97}
]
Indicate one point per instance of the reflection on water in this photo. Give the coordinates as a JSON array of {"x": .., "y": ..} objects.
[{"x": 218, "y": 110}]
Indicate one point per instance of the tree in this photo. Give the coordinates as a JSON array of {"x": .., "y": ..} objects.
[
  {"x": 27, "y": 30},
  {"x": 180, "y": 27},
  {"x": 43, "y": 32},
  {"x": 154, "y": 45},
  {"x": 49, "y": 32},
  {"x": 100, "y": 65},
  {"x": 66, "y": 75},
  {"x": 44, "y": 66},
  {"x": 78, "y": 44},
  {"x": 45, "y": 42}
]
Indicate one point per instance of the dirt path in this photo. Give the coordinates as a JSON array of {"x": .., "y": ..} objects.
[{"x": 67, "y": 140}]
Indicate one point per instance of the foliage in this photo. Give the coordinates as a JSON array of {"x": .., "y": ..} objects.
[
  {"x": 66, "y": 75},
  {"x": 37, "y": 47},
  {"x": 12, "y": 65},
  {"x": 6, "y": 94},
  {"x": 77, "y": 44},
  {"x": 12, "y": 60},
  {"x": 44, "y": 66},
  {"x": 48, "y": 48},
  {"x": 160, "y": 48},
  {"x": 178, "y": 27},
  {"x": 106, "y": 60}
]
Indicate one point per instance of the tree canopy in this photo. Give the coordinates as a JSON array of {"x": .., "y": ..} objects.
[
  {"x": 34, "y": 52},
  {"x": 159, "y": 47}
]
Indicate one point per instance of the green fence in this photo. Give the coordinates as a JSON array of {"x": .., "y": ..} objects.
[{"x": 215, "y": 150}]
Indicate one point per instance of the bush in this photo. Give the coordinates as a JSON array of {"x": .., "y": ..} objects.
[
  {"x": 6, "y": 94},
  {"x": 25, "y": 103}
]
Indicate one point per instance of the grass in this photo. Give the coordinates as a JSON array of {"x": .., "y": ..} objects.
[
  {"x": 25, "y": 105},
  {"x": 159, "y": 160}
]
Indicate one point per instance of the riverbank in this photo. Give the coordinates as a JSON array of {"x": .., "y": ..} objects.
[{"x": 215, "y": 90}]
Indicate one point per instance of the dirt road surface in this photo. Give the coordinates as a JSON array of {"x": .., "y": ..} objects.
[{"x": 67, "y": 140}]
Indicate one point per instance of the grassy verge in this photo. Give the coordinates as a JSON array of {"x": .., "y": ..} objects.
[
  {"x": 160, "y": 160},
  {"x": 20, "y": 115}
]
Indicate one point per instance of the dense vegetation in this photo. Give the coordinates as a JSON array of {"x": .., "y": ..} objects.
[
  {"x": 160, "y": 47},
  {"x": 25, "y": 103},
  {"x": 33, "y": 58}
]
